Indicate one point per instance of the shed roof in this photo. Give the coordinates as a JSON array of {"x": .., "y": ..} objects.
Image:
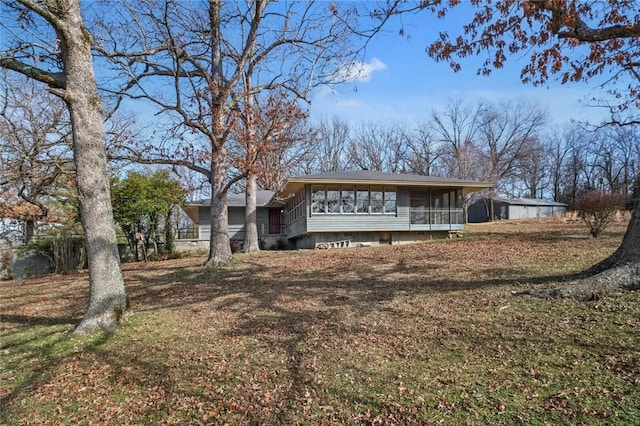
[{"x": 528, "y": 202}]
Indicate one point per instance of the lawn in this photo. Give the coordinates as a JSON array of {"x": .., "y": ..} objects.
[{"x": 421, "y": 334}]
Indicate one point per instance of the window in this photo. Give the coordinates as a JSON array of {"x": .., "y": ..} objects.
[
  {"x": 376, "y": 199},
  {"x": 348, "y": 199},
  {"x": 318, "y": 199},
  {"x": 333, "y": 199},
  {"x": 362, "y": 200},
  {"x": 389, "y": 200}
]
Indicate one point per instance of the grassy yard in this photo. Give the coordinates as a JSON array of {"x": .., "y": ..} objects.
[{"x": 422, "y": 334}]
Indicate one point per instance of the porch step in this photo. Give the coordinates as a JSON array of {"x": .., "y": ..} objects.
[{"x": 333, "y": 244}]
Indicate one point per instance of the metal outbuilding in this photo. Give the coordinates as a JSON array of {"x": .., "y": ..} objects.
[{"x": 513, "y": 208}]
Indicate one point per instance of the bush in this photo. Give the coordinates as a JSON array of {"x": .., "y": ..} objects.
[
  {"x": 597, "y": 210},
  {"x": 66, "y": 252}
]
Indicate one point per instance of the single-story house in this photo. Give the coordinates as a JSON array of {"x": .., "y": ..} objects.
[
  {"x": 513, "y": 208},
  {"x": 199, "y": 213},
  {"x": 348, "y": 209}
]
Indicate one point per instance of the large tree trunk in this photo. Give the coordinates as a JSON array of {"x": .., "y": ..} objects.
[
  {"x": 219, "y": 243},
  {"x": 251, "y": 244},
  {"x": 621, "y": 270},
  {"x": 30, "y": 230},
  {"x": 107, "y": 298}
]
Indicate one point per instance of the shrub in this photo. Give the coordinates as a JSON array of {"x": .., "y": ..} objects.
[
  {"x": 66, "y": 252},
  {"x": 597, "y": 210}
]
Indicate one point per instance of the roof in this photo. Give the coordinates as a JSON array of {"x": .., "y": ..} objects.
[
  {"x": 528, "y": 202},
  {"x": 359, "y": 177},
  {"x": 368, "y": 177},
  {"x": 238, "y": 200}
]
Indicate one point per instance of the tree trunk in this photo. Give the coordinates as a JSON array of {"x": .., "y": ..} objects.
[
  {"x": 107, "y": 297},
  {"x": 251, "y": 244},
  {"x": 219, "y": 243},
  {"x": 621, "y": 270},
  {"x": 30, "y": 230}
]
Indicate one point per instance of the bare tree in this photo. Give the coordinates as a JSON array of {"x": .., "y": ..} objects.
[
  {"x": 379, "y": 147},
  {"x": 507, "y": 137},
  {"x": 52, "y": 45},
  {"x": 458, "y": 129},
  {"x": 424, "y": 152},
  {"x": 532, "y": 170},
  {"x": 330, "y": 141},
  {"x": 189, "y": 61},
  {"x": 36, "y": 157}
]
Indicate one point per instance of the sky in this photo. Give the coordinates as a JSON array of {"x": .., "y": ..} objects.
[{"x": 403, "y": 85}]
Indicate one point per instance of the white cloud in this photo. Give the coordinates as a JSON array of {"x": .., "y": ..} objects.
[{"x": 362, "y": 71}]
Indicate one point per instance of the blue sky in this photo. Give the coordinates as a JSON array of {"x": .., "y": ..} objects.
[{"x": 403, "y": 84}]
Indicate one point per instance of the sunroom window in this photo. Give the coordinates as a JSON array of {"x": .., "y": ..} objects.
[
  {"x": 333, "y": 199},
  {"x": 318, "y": 199},
  {"x": 362, "y": 200},
  {"x": 348, "y": 199},
  {"x": 389, "y": 200},
  {"x": 376, "y": 199}
]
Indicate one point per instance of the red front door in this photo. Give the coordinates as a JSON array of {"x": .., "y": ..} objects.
[{"x": 275, "y": 225}]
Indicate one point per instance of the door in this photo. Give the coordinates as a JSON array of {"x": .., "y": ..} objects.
[{"x": 275, "y": 221}]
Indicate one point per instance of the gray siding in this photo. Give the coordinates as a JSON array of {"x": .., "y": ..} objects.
[
  {"x": 236, "y": 222},
  {"x": 262, "y": 219},
  {"x": 237, "y": 225},
  {"x": 299, "y": 227},
  {"x": 204, "y": 218}
]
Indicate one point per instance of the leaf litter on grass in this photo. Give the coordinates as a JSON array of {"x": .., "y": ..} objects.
[{"x": 421, "y": 334}]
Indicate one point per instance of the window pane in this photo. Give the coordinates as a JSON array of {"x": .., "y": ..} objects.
[
  {"x": 348, "y": 200},
  {"x": 436, "y": 200},
  {"x": 376, "y": 199},
  {"x": 445, "y": 200},
  {"x": 389, "y": 200},
  {"x": 333, "y": 199},
  {"x": 458, "y": 199},
  {"x": 362, "y": 200},
  {"x": 318, "y": 199}
]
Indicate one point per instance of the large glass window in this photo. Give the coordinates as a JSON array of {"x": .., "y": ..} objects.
[
  {"x": 389, "y": 200},
  {"x": 333, "y": 199},
  {"x": 353, "y": 199},
  {"x": 376, "y": 199},
  {"x": 318, "y": 199},
  {"x": 362, "y": 200},
  {"x": 348, "y": 199}
]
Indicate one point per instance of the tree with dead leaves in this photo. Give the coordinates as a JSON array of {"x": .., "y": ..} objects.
[
  {"x": 578, "y": 41},
  {"x": 263, "y": 129}
]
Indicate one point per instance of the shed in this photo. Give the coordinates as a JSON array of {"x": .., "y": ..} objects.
[{"x": 514, "y": 208}]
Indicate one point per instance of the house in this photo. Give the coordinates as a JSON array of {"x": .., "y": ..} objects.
[
  {"x": 348, "y": 209},
  {"x": 513, "y": 208},
  {"x": 199, "y": 213}
]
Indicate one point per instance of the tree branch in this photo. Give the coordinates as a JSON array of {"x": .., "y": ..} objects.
[{"x": 54, "y": 80}]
